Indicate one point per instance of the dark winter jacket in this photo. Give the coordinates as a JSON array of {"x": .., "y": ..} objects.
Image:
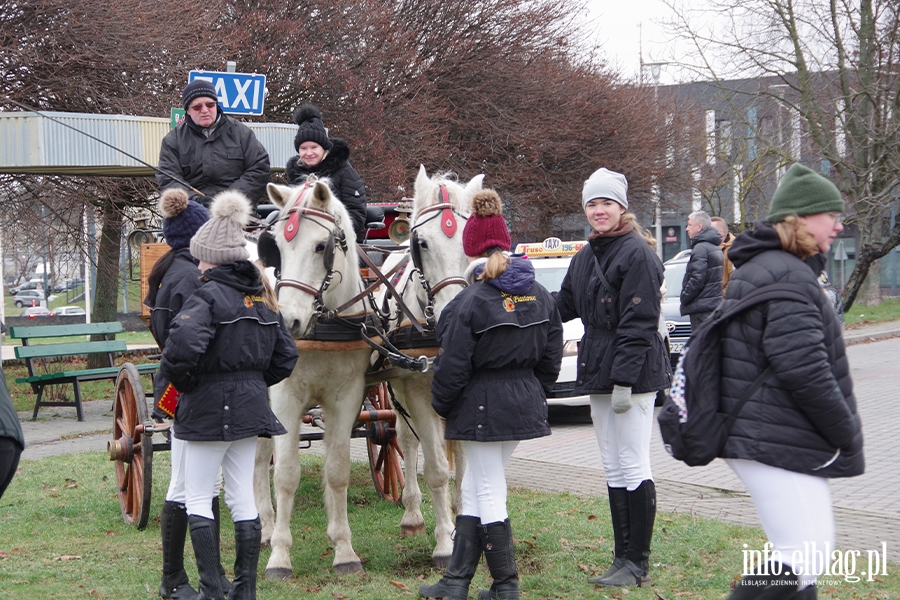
[
  {"x": 224, "y": 349},
  {"x": 621, "y": 343},
  {"x": 181, "y": 279},
  {"x": 230, "y": 158},
  {"x": 804, "y": 418},
  {"x": 345, "y": 181},
  {"x": 10, "y": 427},
  {"x": 701, "y": 290},
  {"x": 501, "y": 348}
]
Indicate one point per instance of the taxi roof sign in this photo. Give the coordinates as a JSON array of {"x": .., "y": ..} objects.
[{"x": 550, "y": 247}]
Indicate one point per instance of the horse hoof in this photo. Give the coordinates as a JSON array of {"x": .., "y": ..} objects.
[
  {"x": 411, "y": 530},
  {"x": 348, "y": 568},
  {"x": 442, "y": 563},
  {"x": 279, "y": 574}
]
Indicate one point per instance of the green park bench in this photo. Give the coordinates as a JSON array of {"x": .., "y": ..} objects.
[{"x": 42, "y": 357}]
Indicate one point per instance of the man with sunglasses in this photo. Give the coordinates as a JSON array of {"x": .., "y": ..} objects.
[{"x": 211, "y": 151}]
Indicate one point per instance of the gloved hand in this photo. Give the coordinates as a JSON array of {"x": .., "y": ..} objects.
[{"x": 621, "y": 399}]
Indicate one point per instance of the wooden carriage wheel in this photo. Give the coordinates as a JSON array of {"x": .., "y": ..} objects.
[
  {"x": 132, "y": 447},
  {"x": 385, "y": 456}
]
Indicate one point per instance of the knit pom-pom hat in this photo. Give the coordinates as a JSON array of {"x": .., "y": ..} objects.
[
  {"x": 310, "y": 128},
  {"x": 485, "y": 228},
  {"x": 181, "y": 217},
  {"x": 221, "y": 239}
]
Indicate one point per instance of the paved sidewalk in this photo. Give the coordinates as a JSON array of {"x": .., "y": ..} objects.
[{"x": 867, "y": 508}]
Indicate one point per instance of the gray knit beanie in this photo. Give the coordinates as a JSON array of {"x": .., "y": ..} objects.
[
  {"x": 221, "y": 239},
  {"x": 802, "y": 192},
  {"x": 606, "y": 184}
]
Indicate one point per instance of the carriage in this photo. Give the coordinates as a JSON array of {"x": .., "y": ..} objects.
[{"x": 136, "y": 436}]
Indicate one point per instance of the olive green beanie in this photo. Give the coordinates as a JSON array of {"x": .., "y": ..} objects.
[{"x": 804, "y": 192}]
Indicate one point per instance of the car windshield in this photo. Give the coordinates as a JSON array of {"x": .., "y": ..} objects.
[
  {"x": 674, "y": 278},
  {"x": 551, "y": 278}
]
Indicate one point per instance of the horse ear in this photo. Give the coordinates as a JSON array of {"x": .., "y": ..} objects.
[
  {"x": 422, "y": 180},
  {"x": 475, "y": 184},
  {"x": 321, "y": 194},
  {"x": 278, "y": 194}
]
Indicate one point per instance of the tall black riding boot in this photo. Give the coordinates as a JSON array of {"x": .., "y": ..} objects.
[
  {"x": 618, "y": 507},
  {"x": 497, "y": 542},
  {"x": 454, "y": 585},
  {"x": 173, "y": 524},
  {"x": 247, "y": 537},
  {"x": 217, "y": 517},
  {"x": 206, "y": 551},
  {"x": 767, "y": 586},
  {"x": 641, "y": 516}
]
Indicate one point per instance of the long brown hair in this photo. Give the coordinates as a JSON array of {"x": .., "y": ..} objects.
[
  {"x": 796, "y": 238},
  {"x": 269, "y": 296},
  {"x": 646, "y": 235},
  {"x": 495, "y": 266}
]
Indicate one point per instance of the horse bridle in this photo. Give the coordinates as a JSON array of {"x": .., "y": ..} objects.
[
  {"x": 447, "y": 213},
  {"x": 336, "y": 239}
]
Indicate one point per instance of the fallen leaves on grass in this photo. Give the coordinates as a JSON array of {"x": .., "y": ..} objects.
[{"x": 399, "y": 585}]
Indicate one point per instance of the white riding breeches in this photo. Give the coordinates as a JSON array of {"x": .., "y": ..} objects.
[
  {"x": 624, "y": 439},
  {"x": 202, "y": 462},
  {"x": 483, "y": 486}
]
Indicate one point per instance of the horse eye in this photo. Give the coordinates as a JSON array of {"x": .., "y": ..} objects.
[
  {"x": 320, "y": 247},
  {"x": 423, "y": 244}
]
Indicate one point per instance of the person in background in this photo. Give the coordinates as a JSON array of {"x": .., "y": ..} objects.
[
  {"x": 12, "y": 440},
  {"x": 319, "y": 155},
  {"x": 721, "y": 225},
  {"x": 701, "y": 290},
  {"x": 171, "y": 282},
  {"x": 501, "y": 349},
  {"x": 818, "y": 435},
  {"x": 225, "y": 348},
  {"x": 211, "y": 151},
  {"x": 613, "y": 285}
]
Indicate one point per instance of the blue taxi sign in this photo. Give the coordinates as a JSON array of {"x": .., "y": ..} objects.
[{"x": 239, "y": 93}]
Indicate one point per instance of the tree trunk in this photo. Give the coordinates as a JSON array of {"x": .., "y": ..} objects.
[
  {"x": 106, "y": 290},
  {"x": 870, "y": 291}
]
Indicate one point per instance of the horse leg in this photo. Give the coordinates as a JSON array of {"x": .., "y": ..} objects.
[
  {"x": 262, "y": 488},
  {"x": 459, "y": 469},
  {"x": 287, "y": 478},
  {"x": 341, "y": 414},
  {"x": 412, "y": 523},
  {"x": 436, "y": 468}
]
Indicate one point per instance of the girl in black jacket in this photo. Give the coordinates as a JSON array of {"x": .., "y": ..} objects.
[
  {"x": 501, "y": 349},
  {"x": 172, "y": 280},
  {"x": 802, "y": 426},
  {"x": 319, "y": 155},
  {"x": 226, "y": 347},
  {"x": 613, "y": 286}
]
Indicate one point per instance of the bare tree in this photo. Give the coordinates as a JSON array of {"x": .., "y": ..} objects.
[{"x": 835, "y": 65}]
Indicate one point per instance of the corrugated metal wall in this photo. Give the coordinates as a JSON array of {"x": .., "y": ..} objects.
[{"x": 30, "y": 143}]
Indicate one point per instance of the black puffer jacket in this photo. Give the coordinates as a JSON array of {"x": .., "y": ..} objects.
[
  {"x": 10, "y": 427},
  {"x": 501, "y": 348},
  {"x": 225, "y": 348},
  {"x": 701, "y": 290},
  {"x": 345, "y": 181},
  {"x": 181, "y": 279},
  {"x": 621, "y": 344},
  {"x": 804, "y": 418},
  {"x": 230, "y": 158}
]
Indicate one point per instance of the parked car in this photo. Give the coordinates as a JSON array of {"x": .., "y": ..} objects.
[
  {"x": 28, "y": 298},
  {"x": 36, "y": 311},
  {"x": 69, "y": 311},
  {"x": 28, "y": 285},
  {"x": 677, "y": 326}
]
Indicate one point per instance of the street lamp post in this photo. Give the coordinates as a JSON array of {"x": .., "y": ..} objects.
[{"x": 655, "y": 72}]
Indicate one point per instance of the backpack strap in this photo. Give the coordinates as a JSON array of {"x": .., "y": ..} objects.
[
  {"x": 775, "y": 291},
  {"x": 609, "y": 289}
]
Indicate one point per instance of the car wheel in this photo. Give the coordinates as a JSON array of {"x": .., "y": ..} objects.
[{"x": 18, "y": 304}]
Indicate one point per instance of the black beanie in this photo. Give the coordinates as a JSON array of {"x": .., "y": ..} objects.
[
  {"x": 181, "y": 217},
  {"x": 310, "y": 128},
  {"x": 198, "y": 88}
]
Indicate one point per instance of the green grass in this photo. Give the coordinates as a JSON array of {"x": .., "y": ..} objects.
[
  {"x": 63, "y": 537},
  {"x": 888, "y": 310}
]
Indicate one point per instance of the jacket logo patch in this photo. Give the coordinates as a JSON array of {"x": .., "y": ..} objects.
[
  {"x": 248, "y": 302},
  {"x": 636, "y": 300},
  {"x": 509, "y": 305}
]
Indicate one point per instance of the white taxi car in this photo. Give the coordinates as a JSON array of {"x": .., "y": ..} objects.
[{"x": 551, "y": 262}]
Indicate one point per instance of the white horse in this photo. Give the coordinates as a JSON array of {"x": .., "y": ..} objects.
[
  {"x": 431, "y": 278},
  {"x": 319, "y": 272}
]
